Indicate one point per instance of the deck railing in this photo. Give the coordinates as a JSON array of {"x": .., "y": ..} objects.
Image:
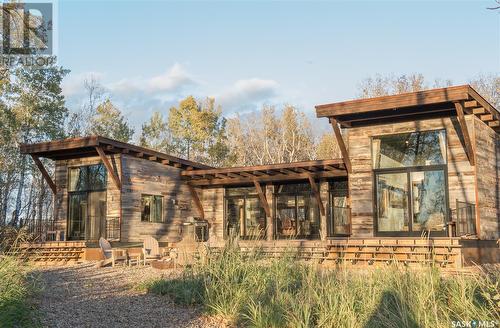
[
  {"x": 465, "y": 219},
  {"x": 113, "y": 228}
]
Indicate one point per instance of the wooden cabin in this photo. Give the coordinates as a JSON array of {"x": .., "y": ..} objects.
[{"x": 419, "y": 180}]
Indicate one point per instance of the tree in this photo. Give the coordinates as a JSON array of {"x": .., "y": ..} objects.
[
  {"x": 198, "y": 131},
  {"x": 488, "y": 85},
  {"x": 156, "y": 135},
  {"x": 271, "y": 136},
  {"x": 380, "y": 85},
  {"x": 327, "y": 147},
  {"x": 79, "y": 123},
  {"x": 109, "y": 122}
]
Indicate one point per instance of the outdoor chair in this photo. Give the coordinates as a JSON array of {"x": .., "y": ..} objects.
[
  {"x": 151, "y": 250},
  {"x": 112, "y": 255}
]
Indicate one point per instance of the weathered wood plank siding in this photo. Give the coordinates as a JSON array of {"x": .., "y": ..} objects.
[
  {"x": 488, "y": 179},
  {"x": 142, "y": 176},
  {"x": 61, "y": 181},
  {"x": 213, "y": 206},
  {"x": 461, "y": 180}
]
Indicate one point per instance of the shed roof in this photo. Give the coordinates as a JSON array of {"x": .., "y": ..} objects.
[
  {"x": 86, "y": 146},
  {"x": 411, "y": 106}
]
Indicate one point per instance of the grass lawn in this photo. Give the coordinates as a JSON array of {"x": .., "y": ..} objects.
[{"x": 251, "y": 291}]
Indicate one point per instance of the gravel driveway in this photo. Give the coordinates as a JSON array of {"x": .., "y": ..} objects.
[{"x": 84, "y": 296}]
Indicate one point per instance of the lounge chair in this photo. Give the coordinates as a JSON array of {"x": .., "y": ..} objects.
[
  {"x": 151, "y": 250},
  {"x": 112, "y": 255}
]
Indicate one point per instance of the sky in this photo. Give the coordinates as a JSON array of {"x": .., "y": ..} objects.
[{"x": 149, "y": 55}]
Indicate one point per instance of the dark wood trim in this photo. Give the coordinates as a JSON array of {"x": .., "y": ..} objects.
[
  {"x": 109, "y": 167},
  {"x": 420, "y": 98},
  {"x": 262, "y": 198},
  {"x": 469, "y": 149},
  {"x": 341, "y": 143},
  {"x": 45, "y": 174},
  {"x": 317, "y": 194},
  {"x": 197, "y": 201}
]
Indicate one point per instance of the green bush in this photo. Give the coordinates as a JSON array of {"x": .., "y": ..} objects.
[{"x": 250, "y": 290}]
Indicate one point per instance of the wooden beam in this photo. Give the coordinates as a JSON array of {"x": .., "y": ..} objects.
[
  {"x": 140, "y": 154},
  {"x": 478, "y": 111},
  {"x": 494, "y": 124},
  {"x": 153, "y": 158},
  {"x": 471, "y": 104},
  {"x": 262, "y": 198},
  {"x": 270, "y": 178},
  {"x": 165, "y": 162},
  {"x": 109, "y": 167},
  {"x": 486, "y": 118},
  {"x": 317, "y": 194},
  {"x": 125, "y": 151},
  {"x": 342, "y": 146},
  {"x": 45, "y": 174},
  {"x": 197, "y": 201},
  {"x": 469, "y": 149}
]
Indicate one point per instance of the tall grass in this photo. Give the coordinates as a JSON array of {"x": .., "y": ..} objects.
[
  {"x": 249, "y": 290},
  {"x": 17, "y": 283}
]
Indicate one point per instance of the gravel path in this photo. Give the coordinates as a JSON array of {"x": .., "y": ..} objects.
[{"x": 84, "y": 296}]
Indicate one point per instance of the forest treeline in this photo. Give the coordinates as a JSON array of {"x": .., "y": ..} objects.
[{"x": 33, "y": 109}]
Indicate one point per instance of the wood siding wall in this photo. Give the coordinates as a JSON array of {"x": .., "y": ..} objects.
[
  {"x": 488, "y": 179},
  {"x": 461, "y": 176},
  {"x": 61, "y": 181},
  {"x": 142, "y": 176}
]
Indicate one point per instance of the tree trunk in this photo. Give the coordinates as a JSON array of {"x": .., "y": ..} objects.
[{"x": 20, "y": 188}]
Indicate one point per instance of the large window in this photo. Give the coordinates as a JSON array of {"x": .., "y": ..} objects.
[
  {"x": 297, "y": 212},
  {"x": 87, "y": 202},
  {"x": 339, "y": 213},
  {"x": 151, "y": 208},
  {"x": 245, "y": 216},
  {"x": 410, "y": 182}
]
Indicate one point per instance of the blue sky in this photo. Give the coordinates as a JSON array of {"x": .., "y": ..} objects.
[{"x": 151, "y": 54}]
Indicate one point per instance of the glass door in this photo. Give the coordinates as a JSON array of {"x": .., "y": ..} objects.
[
  {"x": 77, "y": 216},
  {"x": 96, "y": 220}
]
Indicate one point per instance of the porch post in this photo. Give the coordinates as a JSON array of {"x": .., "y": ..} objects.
[
  {"x": 269, "y": 219},
  {"x": 323, "y": 191}
]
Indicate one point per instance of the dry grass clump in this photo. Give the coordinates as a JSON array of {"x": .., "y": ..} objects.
[
  {"x": 17, "y": 283},
  {"x": 247, "y": 290}
]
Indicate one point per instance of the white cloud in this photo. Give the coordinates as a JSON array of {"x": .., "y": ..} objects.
[{"x": 245, "y": 94}]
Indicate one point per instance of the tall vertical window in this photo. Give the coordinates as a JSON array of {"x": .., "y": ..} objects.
[
  {"x": 87, "y": 202},
  {"x": 152, "y": 208},
  {"x": 410, "y": 182}
]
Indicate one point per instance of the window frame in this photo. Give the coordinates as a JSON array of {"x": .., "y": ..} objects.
[
  {"x": 408, "y": 171},
  {"x": 68, "y": 178},
  {"x": 162, "y": 215},
  {"x": 400, "y": 133}
]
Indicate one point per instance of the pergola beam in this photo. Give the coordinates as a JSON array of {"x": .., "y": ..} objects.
[
  {"x": 341, "y": 143},
  {"x": 262, "y": 198},
  {"x": 45, "y": 174},
  {"x": 317, "y": 194},
  {"x": 109, "y": 167},
  {"x": 469, "y": 149}
]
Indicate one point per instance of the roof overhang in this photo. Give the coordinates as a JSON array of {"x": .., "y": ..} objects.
[
  {"x": 411, "y": 106},
  {"x": 86, "y": 147},
  {"x": 266, "y": 173}
]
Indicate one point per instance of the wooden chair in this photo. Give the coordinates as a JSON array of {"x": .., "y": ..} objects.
[
  {"x": 151, "y": 250},
  {"x": 112, "y": 255}
]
